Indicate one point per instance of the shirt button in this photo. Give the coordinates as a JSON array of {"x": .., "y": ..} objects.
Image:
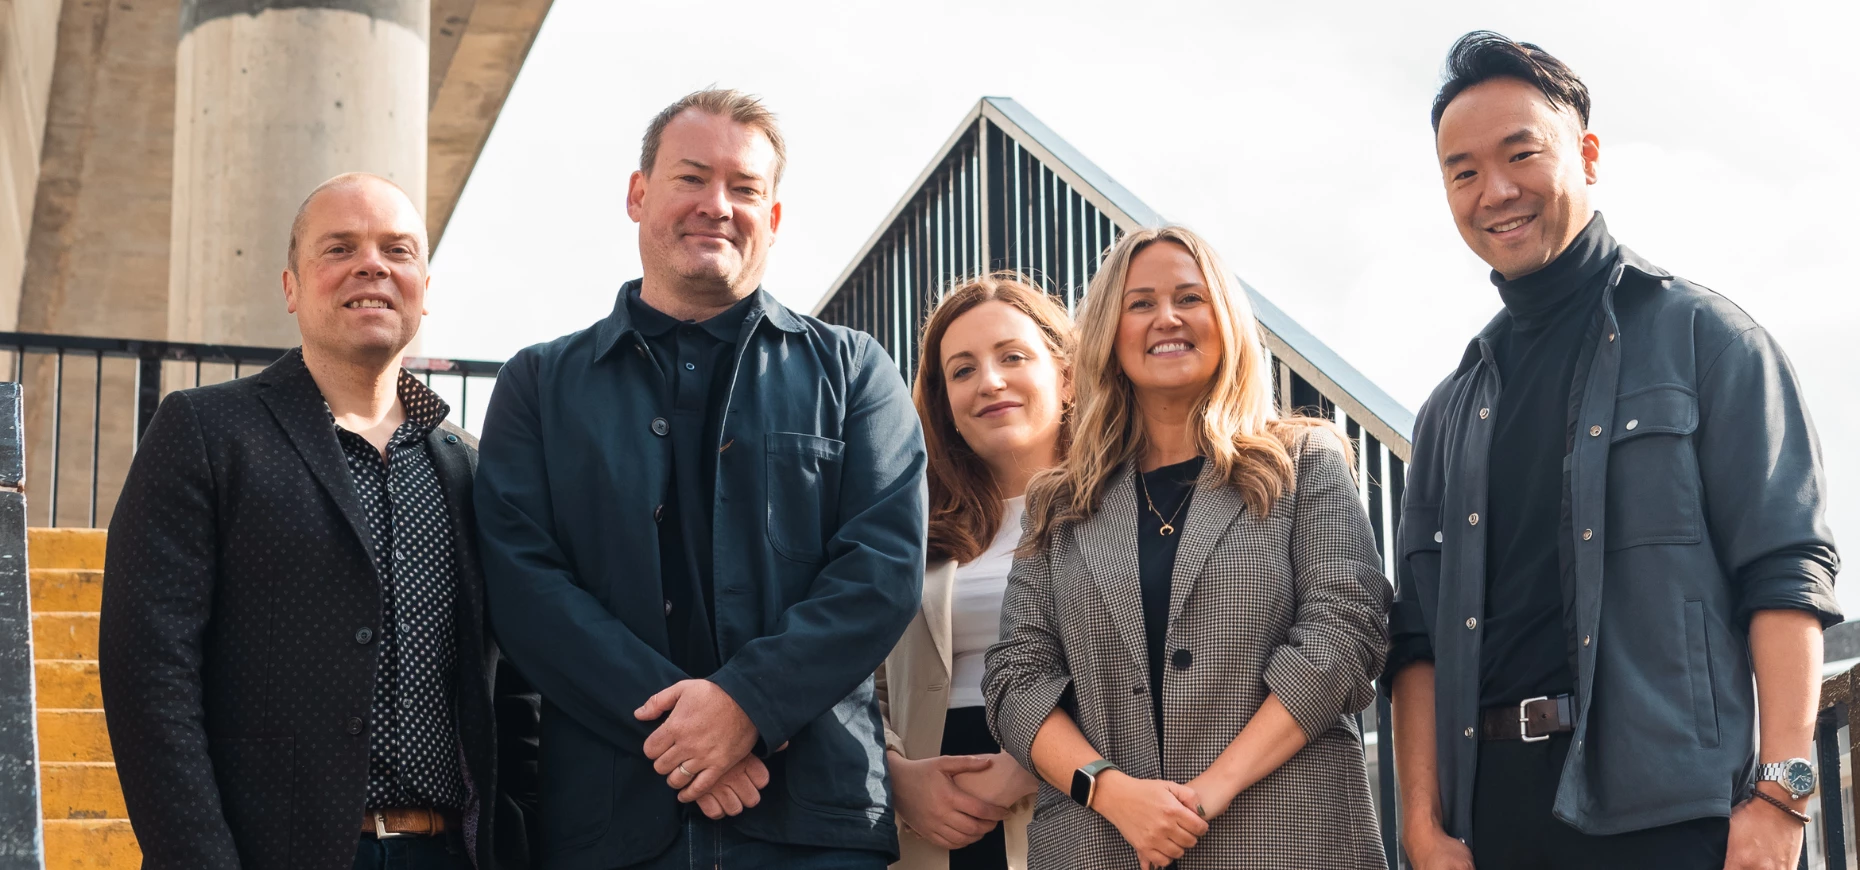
[
  {"x": 1484, "y": 413},
  {"x": 1183, "y": 658},
  {"x": 405, "y": 628},
  {"x": 1611, "y": 336},
  {"x": 1472, "y": 622},
  {"x": 660, "y": 427},
  {"x": 1438, "y": 537},
  {"x": 668, "y": 607},
  {"x": 1585, "y": 640},
  {"x": 364, "y": 635},
  {"x": 452, "y": 439},
  {"x": 1594, "y": 431},
  {"x": 1587, "y": 534},
  {"x": 354, "y": 725},
  {"x": 1632, "y": 425},
  {"x": 1469, "y": 734},
  {"x": 691, "y": 367},
  {"x": 406, "y": 703},
  {"x": 658, "y": 513},
  {"x": 1473, "y": 520}
]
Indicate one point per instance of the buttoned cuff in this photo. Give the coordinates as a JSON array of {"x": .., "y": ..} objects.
[
  {"x": 1788, "y": 581},
  {"x": 1409, "y": 642}
]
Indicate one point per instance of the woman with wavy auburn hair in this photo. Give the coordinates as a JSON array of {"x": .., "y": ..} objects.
[
  {"x": 1198, "y": 607},
  {"x": 993, "y": 389}
]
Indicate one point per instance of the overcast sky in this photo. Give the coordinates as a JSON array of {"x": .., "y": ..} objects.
[{"x": 1295, "y": 136}]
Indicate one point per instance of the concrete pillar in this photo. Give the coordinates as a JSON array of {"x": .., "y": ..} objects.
[{"x": 272, "y": 97}]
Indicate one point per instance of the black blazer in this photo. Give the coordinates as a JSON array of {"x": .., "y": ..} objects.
[{"x": 240, "y": 602}]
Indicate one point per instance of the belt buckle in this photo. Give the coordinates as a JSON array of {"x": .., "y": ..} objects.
[
  {"x": 1524, "y": 721},
  {"x": 381, "y": 831}
]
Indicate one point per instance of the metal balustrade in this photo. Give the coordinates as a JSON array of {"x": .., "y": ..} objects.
[{"x": 87, "y": 401}]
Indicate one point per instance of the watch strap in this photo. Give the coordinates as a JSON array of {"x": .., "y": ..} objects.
[{"x": 1085, "y": 781}]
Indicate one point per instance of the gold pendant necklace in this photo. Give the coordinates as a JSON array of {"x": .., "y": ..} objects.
[{"x": 1168, "y": 525}]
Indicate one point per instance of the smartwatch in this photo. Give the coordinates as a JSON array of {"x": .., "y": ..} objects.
[{"x": 1085, "y": 781}]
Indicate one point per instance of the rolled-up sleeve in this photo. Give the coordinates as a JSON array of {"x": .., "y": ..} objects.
[
  {"x": 1764, "y": 484},
  {"x": 1339, "y": 638},
  {"x": 1025, "y": 674}
]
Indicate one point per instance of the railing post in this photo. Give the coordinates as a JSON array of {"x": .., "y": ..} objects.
[
  {"x": 21, "y": 832},
  {"x": 148, "y": 390},
  {"x": 1828, "y": 761},
  {"x": 1389, "y": 810}
]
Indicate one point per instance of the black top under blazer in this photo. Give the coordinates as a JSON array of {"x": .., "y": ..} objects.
[
  {"x": 1293, "y": 604},
  {"x": 240, "y": 606}
]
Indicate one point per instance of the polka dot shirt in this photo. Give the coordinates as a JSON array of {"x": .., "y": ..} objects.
[{"x": 413, "y": 748}]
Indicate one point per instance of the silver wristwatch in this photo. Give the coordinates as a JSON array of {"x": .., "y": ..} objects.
[{"x": 1794, "y": 774}]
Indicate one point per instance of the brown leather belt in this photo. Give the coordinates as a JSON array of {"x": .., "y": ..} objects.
[
  {"x": 410, "y": 822},
  {"x": 1530, "y": 720}
]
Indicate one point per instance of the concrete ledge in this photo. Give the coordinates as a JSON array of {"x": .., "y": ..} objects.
[
  {"x": 68, "y": 684},
  {"x": 68, "y": 549},
  {"x": 81, "y": 790},
  {"x": 91, "y": 845},
  {"x": 64, "y": 589}
]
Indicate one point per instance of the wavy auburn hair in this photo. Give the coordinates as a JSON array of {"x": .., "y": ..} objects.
[
  {"x": 965, "y": 505},
  {"x": 1237, "y": 426}
]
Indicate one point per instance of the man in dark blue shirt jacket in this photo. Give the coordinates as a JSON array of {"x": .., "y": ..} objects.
[
  {"x": 703, "y": 528},
  {"x": 1612, "y": 543}
]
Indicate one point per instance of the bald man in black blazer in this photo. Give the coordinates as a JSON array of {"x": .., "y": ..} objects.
[{"x": 297, "y": 670}]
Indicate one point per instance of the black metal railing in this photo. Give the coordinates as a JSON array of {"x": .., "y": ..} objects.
[
  {"x": 87, "y": 401},
  {"x": 1005, "y": 192}
]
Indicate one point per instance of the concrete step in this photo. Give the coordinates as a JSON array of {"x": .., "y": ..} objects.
[
  {"x": 73, "y": 735},
  {"x": 64, "y": 636},
  {"x": 107, "y": 844},
  {"x": 68, "y": 684},
  {"x": 65, "y": 548},
  {"x": 81, "y": 790},
  {"x": 65, "y": 589}
]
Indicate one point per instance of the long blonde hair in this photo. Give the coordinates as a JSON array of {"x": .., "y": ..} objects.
[{"x": 1238, "y": 427}]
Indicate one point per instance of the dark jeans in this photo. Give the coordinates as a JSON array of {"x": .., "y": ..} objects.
[
  {"x": 716, "y": 845},
  {"x": 965, "y": 732},
  {"x": 1512, "y": 828},
  {"x": 412, "y": 853}
]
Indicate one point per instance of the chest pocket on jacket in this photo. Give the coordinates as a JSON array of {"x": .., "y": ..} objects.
[
  {"x": 804, "y": 486},
  {"x": 1653, "y": 470}
]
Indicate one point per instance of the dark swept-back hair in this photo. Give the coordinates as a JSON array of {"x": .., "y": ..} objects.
[
  {"x": 965, "y": 506},
  {"x": 1482, "y": 55}
]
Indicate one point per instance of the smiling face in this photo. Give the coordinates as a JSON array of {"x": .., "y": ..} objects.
[
  {"x": 1006, "y": 389},
  {"x": 1168, "y": 343},
  {"x": 1517, "y": 170},
  {"x": 706, "y": 210},
  {"x": 358, "y": 285}
]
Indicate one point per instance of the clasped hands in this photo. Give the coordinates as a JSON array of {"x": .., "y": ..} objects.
[
  {"x": 1160, "y": 819},
  {"x": 955, "y": 800},
  {"x": 703, "y": 747}
]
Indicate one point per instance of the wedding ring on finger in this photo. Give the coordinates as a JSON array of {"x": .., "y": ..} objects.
[{"x": 686, "y": 771}]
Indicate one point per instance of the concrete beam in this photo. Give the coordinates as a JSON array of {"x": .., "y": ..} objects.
[
  {"x": 466, "y": 102},
  {"x": 28, "y": 42}
]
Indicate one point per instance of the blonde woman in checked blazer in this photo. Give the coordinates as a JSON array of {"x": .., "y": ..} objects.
[
  {"x": 1197, "y": 600},
  {"x": 993, "y": 388}
]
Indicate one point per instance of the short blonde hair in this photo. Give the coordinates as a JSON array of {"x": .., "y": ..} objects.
[{"x": 744, "y": 109}]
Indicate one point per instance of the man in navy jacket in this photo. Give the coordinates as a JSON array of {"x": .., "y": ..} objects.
[{"x": 702, "y": 522}]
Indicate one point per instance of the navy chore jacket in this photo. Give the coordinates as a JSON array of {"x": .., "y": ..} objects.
[
  {"x": 1695, "y": 494},
  {"x": 818, "y": 543}
]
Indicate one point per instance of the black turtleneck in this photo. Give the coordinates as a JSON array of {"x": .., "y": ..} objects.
[{"x": 1523, "y": 652}]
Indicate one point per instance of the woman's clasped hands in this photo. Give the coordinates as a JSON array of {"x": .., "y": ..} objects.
[
  {"x": 1162, "y": 820},
  {"x": 955, "y": 800}
]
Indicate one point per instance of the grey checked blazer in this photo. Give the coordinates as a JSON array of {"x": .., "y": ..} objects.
[{"x": 1292, "y": 604}]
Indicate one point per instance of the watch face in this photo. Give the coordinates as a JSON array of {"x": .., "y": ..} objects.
[{"x": 1801, "y": 777}]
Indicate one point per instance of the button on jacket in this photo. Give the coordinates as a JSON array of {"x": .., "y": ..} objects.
[
  {"x": 1695, "y": 498},
  {"x": 817, "y": 552}
]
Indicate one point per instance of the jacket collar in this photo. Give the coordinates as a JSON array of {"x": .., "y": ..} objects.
[
  {"x": 291, "y": 394},
  {"x": 619, "y": 324},
  {"x": 1627, "y": 262}
]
